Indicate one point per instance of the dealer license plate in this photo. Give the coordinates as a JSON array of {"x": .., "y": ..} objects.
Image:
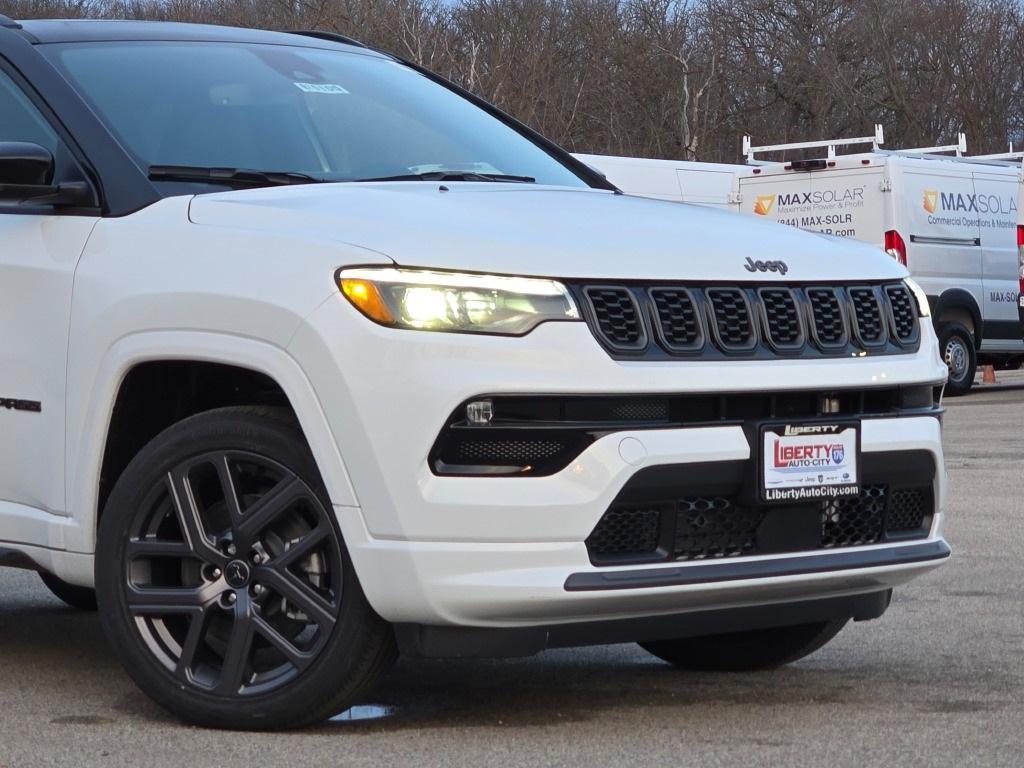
[{"x": 804, "y": 462}]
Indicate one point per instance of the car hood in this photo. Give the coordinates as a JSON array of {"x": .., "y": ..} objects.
[{"x": 543, "y": 231}]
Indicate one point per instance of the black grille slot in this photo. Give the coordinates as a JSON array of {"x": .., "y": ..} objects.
[
  {"x": 867, "y": 313},
  {"x": 733, "y": 325},
  {"x": 854, "y": 521},
  {"x": 617, "y": 317},
  {"x": 713, "y": 527},
  {"x": 904, "y": 318},
  {"x": 627, "y": 530},
  {"x": 515, "y": 453},
  {"x": 782, "y": 318},
  {"x": 678, "y": 319},
  {"x": 908, "y": 509},
  {"x": 829, "y": 326}
]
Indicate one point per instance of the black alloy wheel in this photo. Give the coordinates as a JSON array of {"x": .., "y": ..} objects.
[{"x": 222, "y": 562}]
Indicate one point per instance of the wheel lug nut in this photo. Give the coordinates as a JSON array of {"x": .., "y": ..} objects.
[
  {"x": 232, "y": 550},
  {"x": 258, "y": 590},
  {"x": 229, "y": 598}
]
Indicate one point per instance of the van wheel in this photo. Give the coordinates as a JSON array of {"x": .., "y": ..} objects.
[
  {"x": 224, "y": 584},
  {"x": 745, "y": 651},
  {"x": 957, "y": 346},
  {"x": 82, "y": 598}
]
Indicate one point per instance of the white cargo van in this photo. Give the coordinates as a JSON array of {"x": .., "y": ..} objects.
[
  {"x": 951, "y": 219},
  {"x": 681, "y": 181}
]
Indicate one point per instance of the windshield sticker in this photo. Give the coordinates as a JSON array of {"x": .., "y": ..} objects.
[{"x": 328, "y": 88}]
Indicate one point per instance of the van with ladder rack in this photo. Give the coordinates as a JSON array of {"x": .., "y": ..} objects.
[{"x": 951, "y": 219}]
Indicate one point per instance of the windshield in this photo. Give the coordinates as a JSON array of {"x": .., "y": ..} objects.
[{"x": 329, "y": 114}]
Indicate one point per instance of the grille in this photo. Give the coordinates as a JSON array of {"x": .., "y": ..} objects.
[
  {"x": 626, "y": 531},
  {"x": 507, "y": 452},
  {"x": 827, "y": 315},
  {"x": 678, "y": 319},
  {"x": 751, "y": 321},
  {"x": 714, "y": 527},
  {"x": 640, "y": 410},
  {"x": 709, "y": 527},
  {"x": 733, "y": 324},
  {"x": 854, "y": 521},
  {"x": 782, "y": 318},
  {"x": 616, "y": 314},
  {"x": 868, "y": 316},
  {"x": 907, "y": 510},
  {"x": 903, "y": 316}
]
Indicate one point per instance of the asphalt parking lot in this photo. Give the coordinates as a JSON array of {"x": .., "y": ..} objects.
[{"x": 939, "y": 680}]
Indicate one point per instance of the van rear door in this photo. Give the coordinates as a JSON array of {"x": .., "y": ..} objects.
[
  {"x": 848, "y": 202},
  {"x": 997, "y": 208},
  {"x": 843, "y": 202}
]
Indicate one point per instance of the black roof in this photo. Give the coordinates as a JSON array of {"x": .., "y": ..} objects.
[{"x": 96, "y": 30}]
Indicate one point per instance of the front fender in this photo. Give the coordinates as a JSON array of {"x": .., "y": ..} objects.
[{"x": 89, "y": 418}]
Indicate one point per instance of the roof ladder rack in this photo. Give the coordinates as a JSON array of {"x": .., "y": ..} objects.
[
  {"x": 875, "y": 141},
  {"x": 959, "y": 148},
  {"x": 1010, "y": 155}
]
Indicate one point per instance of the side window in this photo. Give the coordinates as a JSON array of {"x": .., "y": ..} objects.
[{"x": 21, "y": 120}]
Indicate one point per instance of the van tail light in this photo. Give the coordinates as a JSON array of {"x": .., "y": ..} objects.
[
  {"x": 896, "y": 248},
  {"x": 1020, "y": 263}
]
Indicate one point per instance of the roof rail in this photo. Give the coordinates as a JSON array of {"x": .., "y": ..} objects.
[
  {"x": 875, "y": 141},
  {"x": 959, "y": 148},
  {"x": 1010, "y": 155},
  {"x": 8, "y": 23},
  {"x": 333, "y": 37}
]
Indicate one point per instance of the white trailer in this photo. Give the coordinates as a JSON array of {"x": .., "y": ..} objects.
[{"x": 681, "y": 181}]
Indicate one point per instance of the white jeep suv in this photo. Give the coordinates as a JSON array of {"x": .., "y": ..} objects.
[{"x": 309, "y": 357}]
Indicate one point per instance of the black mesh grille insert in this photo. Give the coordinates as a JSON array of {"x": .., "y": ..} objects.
[
  {"x": 903, "y": 315},
  {"x": 712, "y": 527},
  {"x": 732, "y": 318},
  {"x": 827, "y": 313},
  {"x": 617, "y": 317},
  {"x": 507, "y": 452},
  {"x": 626, "y": 530},
  {"x": 678, "y": 319},
  {"x": 854, "y": 521},
  {"x": 783, "y": 319},
  {"x": 908, "y": 509},
  {"x": 868, "y": 315}
]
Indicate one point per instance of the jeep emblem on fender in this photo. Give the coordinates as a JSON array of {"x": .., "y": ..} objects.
[{"x": 766, "y": 266}]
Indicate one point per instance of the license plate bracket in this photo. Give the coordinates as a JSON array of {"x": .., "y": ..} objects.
[{"x": 803, "y": 462}]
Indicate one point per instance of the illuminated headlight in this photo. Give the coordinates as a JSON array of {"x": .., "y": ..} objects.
[
  {"x": 923, "y": 308},
  {"x": 449, "y": 301}
]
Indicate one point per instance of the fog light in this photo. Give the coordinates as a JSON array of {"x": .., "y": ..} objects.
[
  {"x": 480, "y": 412},
  {"x": 830, "y": 404}
]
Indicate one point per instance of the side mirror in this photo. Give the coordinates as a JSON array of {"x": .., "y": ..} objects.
[
  {"x": 24, "y": 163},
  {"x": 26, "y": 176}
]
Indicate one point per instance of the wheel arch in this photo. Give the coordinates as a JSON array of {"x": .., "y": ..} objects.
[
  {"x": 958, "y": 305},
  {"x": 247, "y": 364}
]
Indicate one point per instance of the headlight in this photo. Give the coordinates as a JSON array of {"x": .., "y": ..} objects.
[
  {"x": 448, "y": 301},
  {"x": 923, "y": 307}
]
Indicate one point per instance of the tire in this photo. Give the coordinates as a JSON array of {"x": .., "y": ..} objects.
[
  {"x": 745, "y": 651},
  {"x": 956, "y": 346},
  {"x": 242, "y": 615},
  {"x": 82, "y": 598}
]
